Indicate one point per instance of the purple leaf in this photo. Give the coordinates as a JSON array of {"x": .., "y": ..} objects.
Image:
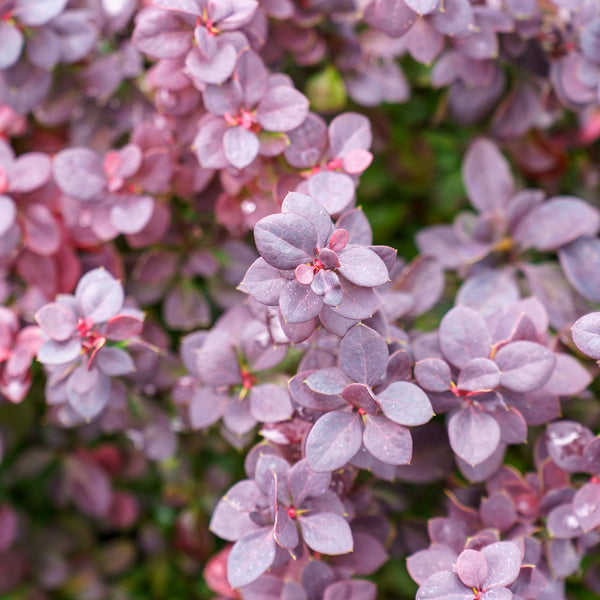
[
  {"x": 566, "y": 441},
  {"x": 304, "y": 483},
  {"x": 11, "y": 44},
  {"x": 363, "y": 355},
  {"x": 99, "y": 295},
  {"x": 360, "y": 395},
  {"x": 79, "y": 173},
  {"x": 327, "y": 533},
  {"x": 387, "y": 441},
  {"x": 525, "y": 366},
  {"x": 282, "y": 109},
  {"x": 562, "y": 523},
  {"x": 333, "y": 440},
  {"x": 487, "y": 176},
  {"x": 285, "y": 532},
  {"x": 329, "y": 381},
  {"x": 122, "y": 327},
  {"x": 474, "y": 434},
  {"x": 114, "y": 361},
  {"x": 37, "y": 12},
  {"x": 205, "y": 408},
  {"x": 463, "y": 336},
  {"x": 263, "y": 282},
  {"x": 444, "y": 585},
  {"x": 424, "y": 563},
  {"x": 503, "y": 564},
  {"x": 498, "y": 511},
  {"x": 349, "y": 131},
  {"x": 586, "y": 334},
  {"x": 405, "y": 403},
  {"x": 479, "y": 374},
  {"x": 8, "y": 214},
  {"x": 250, "y": 557},
  {"x": 88, "y": 391},
  {"x": 41, "y": 230},
  {"x": 309, "y": 399},
  {"x": 269, "y": 403},
  {"x": 231, "y": 517},
  {"x": 162, "y": 35},
  {"x": 351, "y": 590},
  {"x": 131, "y": 213},
  {"x": 57, "y": 320},
  {"x": 557, "y": 222},
  {"x": 393, "y": 17},
  {"x": 285, "y": 240},
  {"x": 240, "y": 146},
  {"x": 29, "y": 172},
  {"x": 314, "y": 211},
  {"x": 335, "y": 191},
  {"x": 252, "y": 76},
  {"x": 433, "y": 374},
  {"x": 471, "y": 567},
  {"x": 58, "y": 353},
  {"x": 208, "y": 143},
  {"x": 298, "y": 303},
  {"x": 363, "y": 267},
  {"x": 580, "y": 261},
  {"x": 216, "y": 361},
  {"x": 586, "y": 506},
  {"x": 357, "y": 302}
]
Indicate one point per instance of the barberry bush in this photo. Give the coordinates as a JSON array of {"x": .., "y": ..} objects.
[{"x": 300, "y": 299}]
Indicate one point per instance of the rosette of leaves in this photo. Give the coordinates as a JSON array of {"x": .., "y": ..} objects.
[
  {"x": 367, "y": 409},
  {"x": 202, "y": 31},
  {"x": 331, "y": 158},
  {"x": 484, "y": 574},
  {"x": 308, "y": 268},
  {"x": 22, "y": 216},
  {"x": 85, "y": 334},
  {"x": 248, "y": 116},
  {"x": 227, "y": 363},
  {"x": 574, "y": 520},
  {"x": 494, "y": 377},
  {"x": 317, "y": 580},
  {"x": 511, "y": 230},
  {"x": 110, "y": 201},
  {"x": 276, "y": 516}
]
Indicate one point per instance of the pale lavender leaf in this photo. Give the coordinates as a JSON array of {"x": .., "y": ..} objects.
[
  {"x": 11, "y": 44},
  {"x": 37, "y": 12},
  {"x": 471, "y": 567},
  {"x": 525, "y": 366},
  {"x": 58, "y": 353},
  {"x": 327, "y": 533},
  {"x": 264, "y": 282},
  {"x": 463, "y": 336},
  {"x": 351, "y": 590},
  {"x": 362, "y": 267},
  {"x": 335, "y": 191},
  {"x": 79, "y": 173},
  {"x": 282, "y": 109},
  {"x": 444, "y": 585},
  {"x": 474, "y": 434},
  {"x": 330, "y": 381},
  {"x": 304, "y": 483},
  {"x": 298, "y": 303},
  {"x": 57, "y": 320},
  {"x": 586, "y": 334},
  {"x": 503, "y": 562},
  {"x": 269, "y": 403},
  {"x": 349, "y": 131},
  {"x": 285, "y": 240},
  {"x": 387, "y": 441},
  {"x": 363, "y": 355},
  {"x": 580, "y": 261},
  {"x": 479, "y": 374},
  {"x": 333, "y": 440},
  {"x": 250, "y": 557},
  {"x": 114, "y": 361},
  {"x": 586, "y": 506},
  {"x": 405, "y": 403},
  {"x": 487, "y": 176},
  {"x": 433, "y": 374},
  {"x": 88, "y": 391},
  {"x": 99, "y": 295},
  {"x": 240, "y": 146}
]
